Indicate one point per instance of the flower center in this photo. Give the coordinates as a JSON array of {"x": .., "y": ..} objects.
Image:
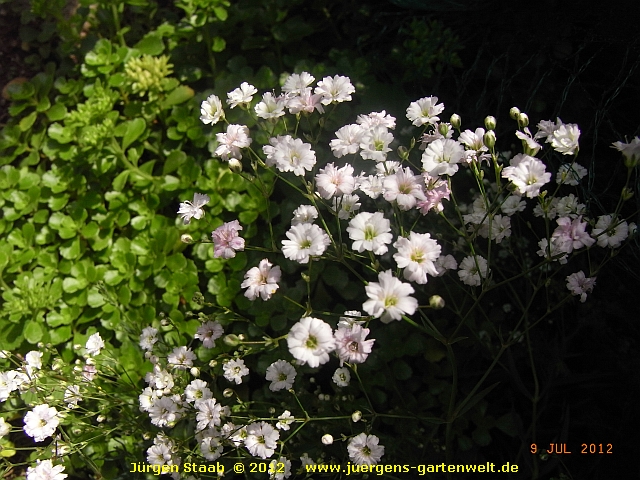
[
  {"x": 312, "y": 343},
  {"x": 369, "y": 232},
  {"x": 353, "y": 346}
]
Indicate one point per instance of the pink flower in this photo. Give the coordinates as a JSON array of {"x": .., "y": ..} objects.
[
  {"x": 261, "y": 281},
  {"x": 351, "y": 345},
  {"x": 226, "y": 240}
]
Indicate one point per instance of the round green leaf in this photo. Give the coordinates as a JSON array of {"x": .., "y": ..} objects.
[{"x": 33, "y": 331}]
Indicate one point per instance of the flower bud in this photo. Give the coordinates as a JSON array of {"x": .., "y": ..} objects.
[
  {"x": 436, "y": 302},
  {"x": 514, "y": 112},
  {"x": 227, "y": 393},
  {"x": 523, "y": 120},
  {"x": 213, "y": 363},
  {"x": 455, "y": 121},
  {"x": 235, "y": 165},
  {"x": 232, "y": 340},
  {"x": 186, "y": 238},
  {"x": 627, "y": 193},
  {"x": 490, "y": 139},
  {"x": 195, "y": 372},
  {"x": 490, "y": 122},
  {"x": 443, "y": 128},
  {"x": 327, "y": 439},
  {"x": 356, "y": 416}
]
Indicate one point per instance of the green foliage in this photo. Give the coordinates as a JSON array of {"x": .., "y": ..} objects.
[{"x": 89, "y": 167}]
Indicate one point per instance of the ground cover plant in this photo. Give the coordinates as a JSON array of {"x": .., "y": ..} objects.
[{"x": 209, "y": 260}]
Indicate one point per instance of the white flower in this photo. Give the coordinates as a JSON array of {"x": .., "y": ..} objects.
[
  {"x": 372, "y": 185},
  {"x": 377, "y": 118},
  {"x": 337, "y": 89},
  {"x": 565, "y": 139},
  {"x": 290, "y": 155},
  {"x": 347, "y": 141},
  {"x": 165, "y": 411},
  {"x": 211, "y": 110},
  {"x": 270, "y": 106},
  {"x": 208, "y": 333},
  {"x": 261, "y": 439},
  {"x": 94, "y": 345},
  {"x": 297, "y": 83},
  {"x": 211, "y": 448},
  {"x": 375, "y": 143},
  {"x": 389, "y": 298},
  {"x": 304, "y": 102},
  {"x": 341, "y": 377},
  {"x": 425, "y": 110},
  {"x": 208, "y": 413},
  {"x": 470, "y": 272},
  {"x": 242, "y": 95},
  {"x": 281, "y": 374},
  {"x": 364, "y": 449},
  {"x": 579, "y": 284},
  {"x": 5, "y": 428},
  {"x": 609, "y": 233},
  {"x": 417, "y": 255},
  {"x": 232, "y": 141},
  {"x": 197, "y": 390},
  {"x": 45, "y": 470},
  {"x": 181, "y": 358},
  {"x": 261, "y": 281},
  {"x": 546, "y": 129},
  {"x": 72, "y": 396},
  {"x": 442, "y": 156},
  {"x": 189, "y": 210},
  {"x": 474, "y": 140},
  {"x": 532, "y": 147},
  {"x": 370, "y": 231},
  {"x": 234, "y": 370},
  {"x": 332, "y": 181},
  {"x": 527, "y": 174},
  {"x": 570, "y": 174},
  {"x": 304, "y": 214},
  {"x": 148, "y": 338},
  {"x": 310, "y": 341},
  {"x": 512, "y": 204},
  {"x": 277, "y": 470},
  {"x": 346, "y": 206},
  {"x": 570, "y": 207},
  {"x": 404, "y": 188},
  {"x": 630, "y": 151},
  {"x": 351, "y": 345},
  {"x": 444, "y": 263},
  {"x": 285, "y": 420},
  {"x": 41, "y": 422},
  {"x": 304, "y": 241}
]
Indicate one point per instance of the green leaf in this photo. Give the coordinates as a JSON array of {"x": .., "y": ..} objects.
[
  {"x": 219, "y": 44},
  {"x": 60, "y": 335},
  {"x": 178, "y": 95},
  {"x": 135, "y": 128},
  {"x": 71, "y": 249},
  {"x": 171, "y": 183},
  {"x": 57, "y": 112},
  {"x": 33, "y": 331},
  {"x": 173, "y": 162},
  {"x": 151, "y": 44},
  {"x": 120, "y": 180},
  {"x": 27, "y": 122}
]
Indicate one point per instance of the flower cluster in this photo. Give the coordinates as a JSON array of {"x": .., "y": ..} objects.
[{"x": 372, "y": 221}]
